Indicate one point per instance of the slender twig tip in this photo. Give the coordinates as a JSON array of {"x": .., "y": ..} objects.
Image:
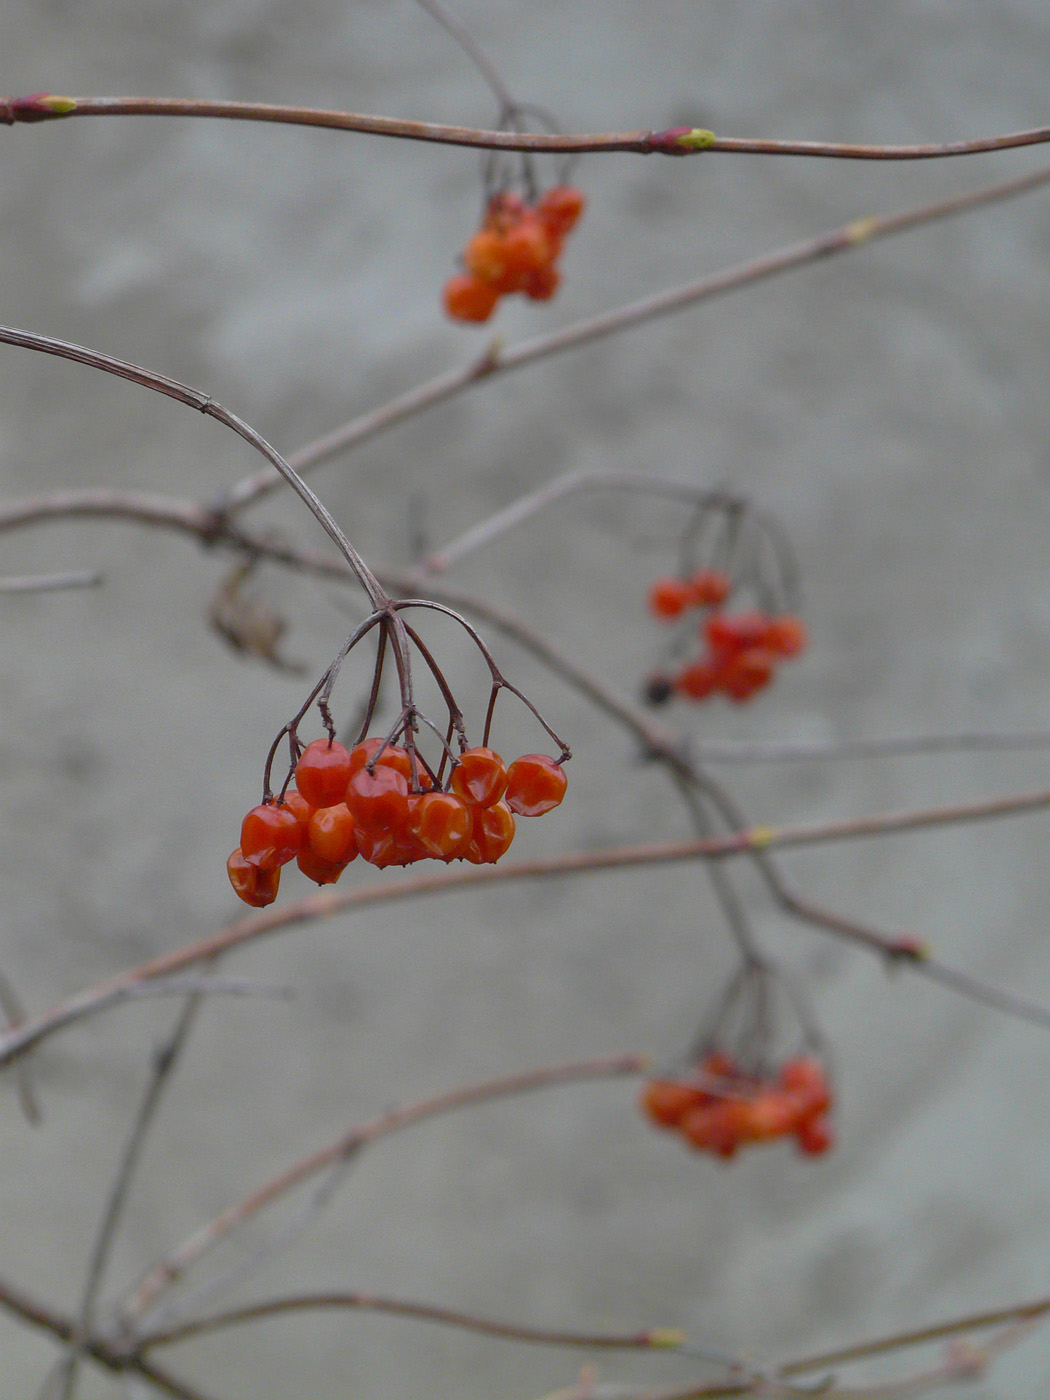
[
  {"x": 40, "y": 106},
  {"x": 668, "y": 1338},
  {"x": 680, "y": 140}
]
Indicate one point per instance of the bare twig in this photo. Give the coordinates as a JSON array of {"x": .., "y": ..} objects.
[
  {"x": 163, "y": 1066},
  {"x": 165, "y": 1273},
  {"x": 21, "y": 1305},
  {"x": 651, "y": 1339},
  {"x": 51, "y": 583},
  {"x": 677, "y": 141},
  {"x": 497, "y": 361}
]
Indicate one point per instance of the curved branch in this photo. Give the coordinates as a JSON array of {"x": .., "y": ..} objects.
[{"x": 497, "y": 361}]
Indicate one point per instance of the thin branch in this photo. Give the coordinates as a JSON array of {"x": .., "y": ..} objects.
[
  {"x": 652, "y": 1339},
  {"x": 203, "y": 403},
  {"x": 155, "y": 977},
  {"x": 165, "y": 1273},
  {"x": 123, "y": 989},
  {"x": 676, "y": 141},
  {"x": 19, "y": 1304},
  {"x": 790, "y": 751},
  {"x": 51, "y": 583},
  {"x": 473, "y": 50},
  {"x": 496, "y": 360},
  {"x": 164, "y": 1061}
]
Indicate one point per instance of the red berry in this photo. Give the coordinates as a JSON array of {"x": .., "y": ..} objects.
[
  {"x": 729, "y": 632},
  {"x": 709, "y": 588},
  {"x": 297, "y": 804},
  {"x": 322, "y": 772},
  {"x": 316, "y": 868},
  {"x": 469, "y": 299},
  {"x": 378, "y": 801},
  {"x": 442, "y": 823},
  {"x": 542, "y": 283},
  {"x": 389, "y": 756},
  {"x": 749, "y": 671},
  {"x": 805, "y": 1078},
  {"x": 270, "y": 836},
  {"x": 787, "y": 635},
  {"x": 526, "y": 250},
  {"x": 666, "y": 1101},
  {"x": 535, "y": 784},
  {"x": 815, "y": 1137},
  {"x": 255, "y": 886},
  {"x": 479, "y": 777},
  {"x": 669, "y": 598},
  {"x": 560, "y": 208},
  {"x": 331, "y": 834},
  {"x": 699, "y": 679},
  {"x": 493, "y": 833}
]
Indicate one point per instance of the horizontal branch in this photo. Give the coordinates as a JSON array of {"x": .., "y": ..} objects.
[
  {"x": 497, "y": 360},
  {"x": 653, "y": 1339},
  {"x": 675, "y": 141},
  {"x": 467, "y": 1096}
]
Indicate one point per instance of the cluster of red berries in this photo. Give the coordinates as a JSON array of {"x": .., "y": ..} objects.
[
  {"x": 719, "y": 1110},
  {"x": 515, "y": 250},
  {"x": 741, "y": 650},
  {"x": 378, "y": 802}
]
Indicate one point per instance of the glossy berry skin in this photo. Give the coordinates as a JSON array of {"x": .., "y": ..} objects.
[
  {"x": 442, "y": 823},
  {"x": 270, "y": 836},
  {"x": 535, "y": 785},
  {"x": 322, "y": 772},
  {"x": 493, "y": 833},
  {"x": 255, "y": 886},
  {"x": 389, "y": 756},
  {"x": 331, "y": 834},
  {"x": 317, "y": 869},
  {"x": 479, "y": 777},
  {"x": 469, "y": 298},
  {"x": 378, "y": 801},
  {"x": 297, "y": 804}
]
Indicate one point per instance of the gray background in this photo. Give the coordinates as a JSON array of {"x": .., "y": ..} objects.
[{"x": 890, "y": 407}]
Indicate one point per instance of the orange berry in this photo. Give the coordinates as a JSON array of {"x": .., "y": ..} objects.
[
  {"x": 493, "y": 833},
  {"x": 270, "y": 836},
  {"x": 542, "y": 283},
  {"x": 560, "y": 208},
  {"x": 331, "y": 834},
  {"x": 666, "y": 1101},
  {"x": 485, "y": 256},
  {"x": 255, "y": 886},
  {"x": 787, "y": 635},
  {"x": 316, "y": 868},
  {"x": 322, "y": 772},
  {"x": 479, "y": 777},
  {"x": 378, "y": 801},
  {"x": 535, "y": 784},
  {"x": 442, "y": 823},
  {"x": 669, "y": 598},
  {"x": 469, "y": 299},
  {"x": 709, "y": 588}
]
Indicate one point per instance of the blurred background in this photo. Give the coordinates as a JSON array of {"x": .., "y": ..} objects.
[{"x": 890, "y": 408}]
